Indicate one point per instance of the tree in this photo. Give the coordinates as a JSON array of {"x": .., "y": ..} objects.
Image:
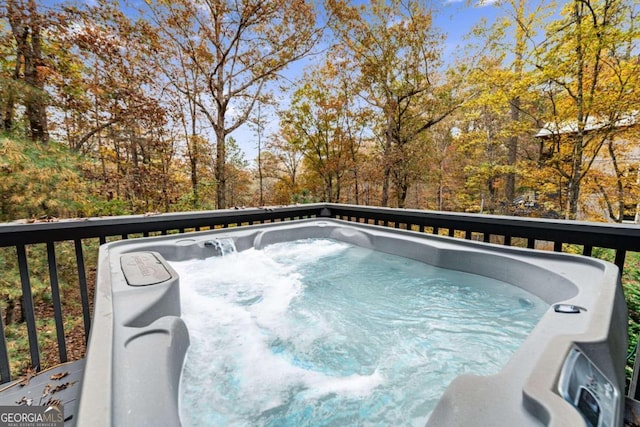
[
  {"x": 238, "y": 47},
  {"x": 8, "y": 78},
  {"x": 446, "y": 161},
  {"x": 27, "y": 26},
  {"x": 109, "y": 94},
  {"x": 239, "y": 179},
  {"x": 525, "y": 24},
  {"x": 504, "y": 113},
  {"x": 328, "y": 129},
  {"x": 282, "y": 161},
  {"x": 615, "y": 182},
  {"x": 111, "y": 81},
  {"x": 258, "y": 124},
  {"x": 590, "y": 85},
  {"x": 181, "y": 95},
  {"x": 396, "y": 50}
]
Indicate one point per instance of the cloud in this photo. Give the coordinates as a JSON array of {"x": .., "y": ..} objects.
[{"x": 483, "y": 3}]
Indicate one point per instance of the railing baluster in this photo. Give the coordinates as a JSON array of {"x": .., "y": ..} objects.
[
  {"x": 557, "y": 246},
  {"x": 55, "y": 296},
  {"x": 84, "y": 294},
  {"x": 468, "y": 235},
  {"x": 586, "y": 250},
  {"x": 486, "y": 238},
  {"x": 620, "y": 256},
  {"x": 5, "y": 370},
  {"x": 452, "y": 232},
  {"x": 507, "y": 240},
  {"x": 27, "y": 307},
  {"x": 531, "y": 243}
]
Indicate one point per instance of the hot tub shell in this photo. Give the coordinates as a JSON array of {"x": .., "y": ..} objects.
[{"x": 138, "y": 340}]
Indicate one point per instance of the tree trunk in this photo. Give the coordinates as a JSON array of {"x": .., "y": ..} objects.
[
  {"x": 576, "y": 166},
  {"x": 512, "y": 144},
  {"x": 9, "y": 110},
  {"x": 10, "y": 311},
  {"x": 221, "y": 178},
  {"x": 386, "y": 171},
  {"x": 356, "y": 185},
  {"x": 26, "y": 31},
  {"x": 260, "y": 175},
  {"x": 193, "y": 164},
  {"x": 7, "y": 120},
  {"x": 403, "y": 190},
  {"x": 36, "y": 104},
  {"x": 514, "y": 105}
]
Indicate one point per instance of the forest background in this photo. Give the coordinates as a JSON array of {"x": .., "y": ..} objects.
[
  {"x": 111, "y": 108},
  {"x": 134, "y": 107}
]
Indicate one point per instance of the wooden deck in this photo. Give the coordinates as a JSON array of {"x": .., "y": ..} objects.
[{"x": 60, "y": 384}]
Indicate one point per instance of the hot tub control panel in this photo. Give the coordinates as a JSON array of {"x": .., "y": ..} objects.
[{"x": 588, "y": 390}]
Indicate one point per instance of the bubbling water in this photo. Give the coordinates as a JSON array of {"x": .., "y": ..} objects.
[{"x": 320, "y": 332}]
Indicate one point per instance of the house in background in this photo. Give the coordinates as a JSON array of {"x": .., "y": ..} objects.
[{"x": 610, "y": 188}]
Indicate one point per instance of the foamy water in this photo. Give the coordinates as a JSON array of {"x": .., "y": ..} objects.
[{"x": 318, "y": 332}]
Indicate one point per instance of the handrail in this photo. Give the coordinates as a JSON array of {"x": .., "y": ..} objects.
[
  {"x": 619, "y": 237},
  {"x": 17, "y": 233}
]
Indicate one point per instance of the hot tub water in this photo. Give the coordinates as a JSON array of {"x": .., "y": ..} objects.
[{"x": 322, "y": 332}]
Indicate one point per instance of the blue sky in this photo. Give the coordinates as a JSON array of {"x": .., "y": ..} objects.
[{"x": 456, "y": 20}]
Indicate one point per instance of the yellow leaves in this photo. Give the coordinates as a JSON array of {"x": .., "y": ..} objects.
[
  {"x": 107, "y": 152},
  {"x": 10, "y": 153}
]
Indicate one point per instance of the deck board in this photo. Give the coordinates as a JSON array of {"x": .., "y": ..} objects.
[{"x": 61, "y": 382}]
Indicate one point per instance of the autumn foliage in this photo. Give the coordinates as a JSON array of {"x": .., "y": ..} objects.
[{"x": 112, "y": 108}]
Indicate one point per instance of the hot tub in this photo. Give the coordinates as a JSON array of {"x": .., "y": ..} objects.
[{"x": 569, "y": 371}]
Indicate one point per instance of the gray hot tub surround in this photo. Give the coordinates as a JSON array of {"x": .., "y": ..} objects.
[{"x": 568, "y": 372}]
